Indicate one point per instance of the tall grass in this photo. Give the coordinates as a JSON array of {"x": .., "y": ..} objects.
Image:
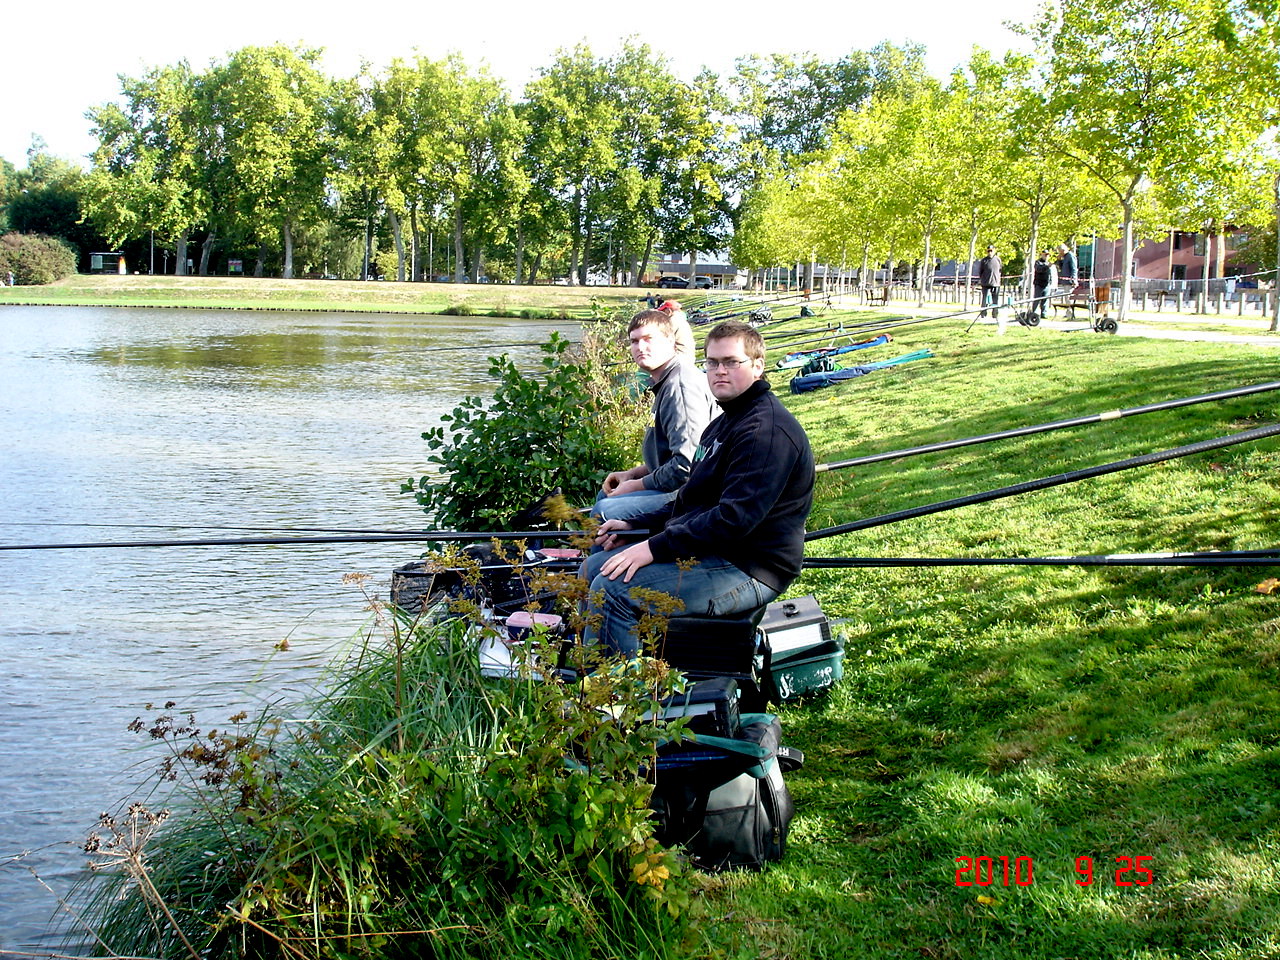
[{"x": 417, "y": 808}]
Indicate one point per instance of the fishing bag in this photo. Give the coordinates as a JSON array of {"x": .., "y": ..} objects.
[
  {"x": 818, "y": 365},
  {"x": 724, "y": 799}
]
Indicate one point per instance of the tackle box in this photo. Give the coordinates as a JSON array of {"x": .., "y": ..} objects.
[
  {"x": 800, "y": 654},
  {"x": 710, "y": 705}
]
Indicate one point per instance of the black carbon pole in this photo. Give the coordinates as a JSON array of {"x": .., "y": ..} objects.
[
  {"x": 1238, "y": 558},
  {"x": 426, "y": 536},
  {"x": 1029, "y": 486},
  {"x": 1054, "y": 425}
]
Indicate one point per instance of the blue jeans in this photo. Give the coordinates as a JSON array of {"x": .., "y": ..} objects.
[
  {"x": 713, "y": 587},
  {"x": 628, "y": 506}
]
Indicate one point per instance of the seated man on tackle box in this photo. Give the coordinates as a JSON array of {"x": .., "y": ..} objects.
[{"x": 740, "y": 516}]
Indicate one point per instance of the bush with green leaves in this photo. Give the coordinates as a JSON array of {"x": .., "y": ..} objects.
[
  {"x": 423, "y": 810},
  {"x": 35, "y": 259},
  {"x": 566, "y": 428}
]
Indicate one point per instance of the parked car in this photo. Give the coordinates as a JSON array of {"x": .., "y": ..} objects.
[{"x": 682, "y": 283}]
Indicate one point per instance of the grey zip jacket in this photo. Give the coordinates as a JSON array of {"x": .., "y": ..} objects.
[{"x": 682, "y": 407}]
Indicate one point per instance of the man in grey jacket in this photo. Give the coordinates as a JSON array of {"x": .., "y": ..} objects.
[{"x": 682, "y": 408}]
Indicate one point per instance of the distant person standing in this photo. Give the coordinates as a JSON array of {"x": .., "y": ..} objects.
[
  {"x": 989, "y": 279},
  {"x": 1068, "y": 274},
  {"x": 1044, "y": 276}
]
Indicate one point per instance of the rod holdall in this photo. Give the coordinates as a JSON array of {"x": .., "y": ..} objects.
[{"x": 724, "y": 800}]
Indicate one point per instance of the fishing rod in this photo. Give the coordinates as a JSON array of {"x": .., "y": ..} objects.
[
  {"x": 1054, "y": 425},
  {"x": 426, "y": 536},
  {"x": 196, "y": 526},
  {"x": 1225, "y": 558},
  {"x": 1028, "y": 486},
  {"x": 834, "y": 336}
]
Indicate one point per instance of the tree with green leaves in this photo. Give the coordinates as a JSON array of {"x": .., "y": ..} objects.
[
  {"x": 1145, "y": 90},
  {"x": 151, "y": 168},
  {"x": 271, "y": 107}
]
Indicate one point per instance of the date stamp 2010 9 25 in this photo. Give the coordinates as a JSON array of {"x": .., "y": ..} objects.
[{"x": 1020, "y": 871}]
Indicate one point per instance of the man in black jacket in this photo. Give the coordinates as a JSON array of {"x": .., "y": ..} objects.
[
  {"x": 733, "y": 539},
  {"x": 989, "y": 278}
]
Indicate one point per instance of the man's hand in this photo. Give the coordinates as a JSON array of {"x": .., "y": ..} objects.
[
  {"x": 619, "y": 477},
  {"x": 628, "y": 561},
  {"x": 606, "y": 539},
  {"x": 626, "y": 486}
]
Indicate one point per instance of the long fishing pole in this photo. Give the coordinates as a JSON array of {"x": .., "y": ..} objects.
[
  {"x": 1028, "y": 486},
  {"x": 1225, "y": 558},
  {"x": 1046, "y": 427},
  {"x": 426, "y": 536}
]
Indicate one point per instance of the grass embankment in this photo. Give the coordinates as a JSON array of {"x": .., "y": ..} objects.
[
  {"x": 248, "y": 293},
  {"x": 1047, "y": 713}
]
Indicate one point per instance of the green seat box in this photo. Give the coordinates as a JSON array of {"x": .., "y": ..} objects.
[{"x": 804, "y": 657}]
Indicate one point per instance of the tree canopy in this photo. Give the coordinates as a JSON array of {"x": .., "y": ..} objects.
[{"x": 1127, "y": 115}]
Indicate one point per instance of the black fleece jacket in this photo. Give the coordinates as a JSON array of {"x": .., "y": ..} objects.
[{"x": 748, "y": 495}]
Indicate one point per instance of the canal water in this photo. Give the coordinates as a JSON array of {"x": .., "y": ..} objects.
[{"x": 148, "y": 424}]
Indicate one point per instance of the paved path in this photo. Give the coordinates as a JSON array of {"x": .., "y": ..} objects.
[{"x": 1252, "y": 331}]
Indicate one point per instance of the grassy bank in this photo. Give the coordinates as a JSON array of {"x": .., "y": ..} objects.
[
  {"x": 1045, "y": 713},
  {"x": 1037, "y": 714},
  {"x": 330, "y": 295}
]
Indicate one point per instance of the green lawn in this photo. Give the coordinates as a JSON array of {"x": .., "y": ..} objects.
[{"x": 1037, "y": 712}]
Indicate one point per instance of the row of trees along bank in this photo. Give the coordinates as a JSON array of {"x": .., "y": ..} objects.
[{"x": 1126, "y": 116}]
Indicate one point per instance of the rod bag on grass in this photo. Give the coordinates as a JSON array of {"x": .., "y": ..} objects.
[{"x": 724, "y": 799}]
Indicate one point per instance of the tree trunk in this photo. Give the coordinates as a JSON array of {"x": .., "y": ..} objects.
[
  {"x": 288, "y": 250},
  {"x": 584, "y": 264},
  {"x": 519, "y": 254},
  {"x": 368, "y": 237},
  {"x": 260, "y": 267},
  {"x": 397, "y": 234},
  {"x": 533, "y": 270},
  {"x": 577, "y": 238},
  {"x": 415, "y": 248},
  {"x": 968, "y": 267},
  {"x": 477, "y": 262},
  {"x": 458, "y": 252},
  {"x": 180, "y": 255},
  {"x": 206, "y": 250},
  {"x": 1275, "y": 285},
  {"x": 1122, "y": 307},
  {"x": 693, "y": 267},
  {"x": 926, "y": 267},
  {"x": 644, "y": 260},
  {"x": 1202, "y": 301}
]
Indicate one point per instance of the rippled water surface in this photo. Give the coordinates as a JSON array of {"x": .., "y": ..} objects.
[{"x": 155, "y": 424}]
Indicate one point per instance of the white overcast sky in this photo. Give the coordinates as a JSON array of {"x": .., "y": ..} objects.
[{"x": 63, "y": 56}]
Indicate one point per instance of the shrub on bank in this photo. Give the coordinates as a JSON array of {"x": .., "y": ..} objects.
[
  {"x": 422, "y": 810},
  {"x": 35, "y": 259},
  {"x": 566, "y": 428}
]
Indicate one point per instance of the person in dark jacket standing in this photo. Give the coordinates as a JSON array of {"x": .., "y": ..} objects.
[
  {"x": 1044, "y": 275},
  {"x": 739, "y": 519},
  {"x": 989, "y": 279}
]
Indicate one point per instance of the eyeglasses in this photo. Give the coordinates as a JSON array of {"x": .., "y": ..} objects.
[{"x": 713, "y": 364}]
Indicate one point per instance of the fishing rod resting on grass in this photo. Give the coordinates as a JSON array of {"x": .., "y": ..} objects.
[
  {"x": 1047, "y": 427},
  {"x": 1044, "y": 483}
]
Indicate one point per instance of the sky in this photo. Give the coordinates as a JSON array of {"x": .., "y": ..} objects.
[{"x": 59, "y": 60}]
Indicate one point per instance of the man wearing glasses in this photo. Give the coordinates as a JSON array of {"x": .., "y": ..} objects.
[{"x": 740, "y": 515}]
